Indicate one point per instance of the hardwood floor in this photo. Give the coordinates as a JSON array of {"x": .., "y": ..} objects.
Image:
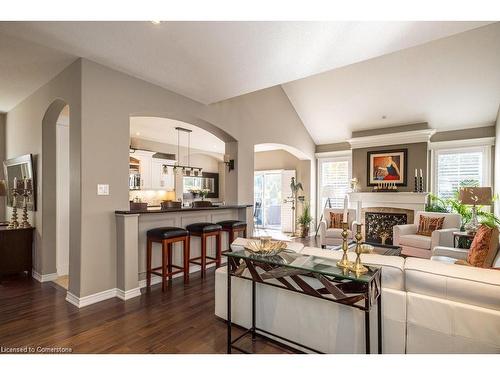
[{"x": 181, "y": 320}]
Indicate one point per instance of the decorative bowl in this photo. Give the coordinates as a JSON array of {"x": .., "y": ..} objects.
[
  {"x": 265, "y": 247},
  {"x": 366, "y": 249}
]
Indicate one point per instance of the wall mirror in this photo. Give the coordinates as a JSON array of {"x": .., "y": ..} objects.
[
  {"x": 20, "y": 168},
  {"x": 208, "y": 181}
]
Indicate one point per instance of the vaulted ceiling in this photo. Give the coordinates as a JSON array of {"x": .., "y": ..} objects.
[{"x": 339, "y": 76}]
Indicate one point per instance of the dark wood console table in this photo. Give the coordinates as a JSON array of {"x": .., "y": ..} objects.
[
  {"x": 291, "y": 270},
  {"x": 16, "y": 246}
]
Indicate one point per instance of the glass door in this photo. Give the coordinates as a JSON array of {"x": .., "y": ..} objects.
[{"x": 267, "y": 197}]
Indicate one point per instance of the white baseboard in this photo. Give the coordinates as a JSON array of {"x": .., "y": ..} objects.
[
  {"x": 115, "y": 292},
  {"x": 43, "y": 278},
  {"x": 91, "y": 299},
  {"x": 128, "y": 294}
]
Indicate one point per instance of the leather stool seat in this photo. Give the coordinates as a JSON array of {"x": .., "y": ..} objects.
[
  {"x": 167, "y": 232},
  {"x": 203, "y": 227},
  {"x": 232, "y": 224}
]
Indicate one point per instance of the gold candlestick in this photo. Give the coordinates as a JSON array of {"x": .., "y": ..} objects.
[
  {"x": 344, "y": 262},
  {"x": 13, "y": 222},
  {"x": 358, "y": 267},
  {"x": 24, "y": 222}
]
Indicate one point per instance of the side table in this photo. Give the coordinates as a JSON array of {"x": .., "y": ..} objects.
[{"x": 466, "y": 236}]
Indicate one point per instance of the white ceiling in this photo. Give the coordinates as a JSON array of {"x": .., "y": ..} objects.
[
  {"x": 451, "y": 83},
  {"x": 163, "y": 130},
  {"x": 212, "y": 61},
  {"x": 24, "y": 67}
]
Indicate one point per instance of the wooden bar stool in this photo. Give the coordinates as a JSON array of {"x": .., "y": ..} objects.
[
  {"x": 205, "y": 231},
  {"x": 232, "y": 227},
  {"x": 167, "y": 236}
]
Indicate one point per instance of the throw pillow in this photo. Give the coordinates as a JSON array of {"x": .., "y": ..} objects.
[
  {"x": 484, "y": 247},
  {"x": 428, "y": 224},
  {"x": 336, "y": 220}
]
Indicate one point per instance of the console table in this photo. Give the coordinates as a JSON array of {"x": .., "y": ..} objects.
[
  {"x": 16, "y": 250},
  {"x": 339, "y": 286}
]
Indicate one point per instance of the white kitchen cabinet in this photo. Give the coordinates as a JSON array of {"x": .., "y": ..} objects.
[{"x": 162, "y": 178}]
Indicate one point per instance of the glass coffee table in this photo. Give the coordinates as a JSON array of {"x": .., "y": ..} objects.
[
  {"x": 292, "y": 271},
  {"x": 378, "y": 248}
]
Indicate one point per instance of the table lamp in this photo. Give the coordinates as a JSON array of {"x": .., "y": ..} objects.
[{"x": 474, "y": 196}]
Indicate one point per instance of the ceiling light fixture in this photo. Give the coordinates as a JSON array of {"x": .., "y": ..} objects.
[
  {"x": 155, "y": 22},
  {"x": 187, "y": 170}
]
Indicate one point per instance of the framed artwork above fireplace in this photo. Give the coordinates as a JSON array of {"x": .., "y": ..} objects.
[{"x": 387, "y": 166}]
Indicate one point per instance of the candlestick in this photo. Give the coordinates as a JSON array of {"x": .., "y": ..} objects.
[
  {"x": 358, "y": 267},
  {"x": 26, "y": 194},
  {"x": 344, "y": 262},
  {"x": 417, "y": 187},
  {"x": 13, "y": 222}
]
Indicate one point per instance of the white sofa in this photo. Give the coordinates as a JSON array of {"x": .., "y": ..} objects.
[
  {"x": 427, "y": 307},
  {"x": 333, "y": 236},
  {"x": 419, "y": 246}
]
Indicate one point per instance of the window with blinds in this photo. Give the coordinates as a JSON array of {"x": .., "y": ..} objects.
[
  {"x": 456, "y": 167},
  {"x": 334, "y": 181}
]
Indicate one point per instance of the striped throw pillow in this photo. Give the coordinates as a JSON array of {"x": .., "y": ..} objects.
[{"x": 428, "y": 224}]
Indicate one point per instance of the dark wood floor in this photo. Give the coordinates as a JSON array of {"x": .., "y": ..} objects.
[{"x": 180, "y": 320}]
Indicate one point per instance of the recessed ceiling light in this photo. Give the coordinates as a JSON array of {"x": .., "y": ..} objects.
[
  {"x": 137, "y": 133},
  {"x": 155, "y": 22}
]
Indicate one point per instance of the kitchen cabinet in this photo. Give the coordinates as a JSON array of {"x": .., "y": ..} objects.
[
  {"x": 154, "y": 175},
  {"x": 162, "y": 175}
]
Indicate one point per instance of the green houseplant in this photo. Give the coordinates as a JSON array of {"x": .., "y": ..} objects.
[{"x": 305, "y": 219}]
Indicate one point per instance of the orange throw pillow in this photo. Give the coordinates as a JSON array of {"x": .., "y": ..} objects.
[
  {"x": 428, "y": 224},
  {"x": 484, "y": 247},
  {"x": 336, "y": 220}
]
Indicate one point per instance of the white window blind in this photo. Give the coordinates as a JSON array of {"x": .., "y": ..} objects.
[
  {"x": 456, "y": 166},
  {"x": 335, "y": 175}
]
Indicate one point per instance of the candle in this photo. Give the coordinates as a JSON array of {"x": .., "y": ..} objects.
[
  {"x": 421, "y": 175},
  {"x": 415, "y": 172},
  {"x": 25, "y": 184},
  {"x": 346, "y": 202},
  {"x": 15, "y": 183}
]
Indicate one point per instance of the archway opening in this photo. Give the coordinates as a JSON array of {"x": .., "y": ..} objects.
[{"x": 282, "y": 189}]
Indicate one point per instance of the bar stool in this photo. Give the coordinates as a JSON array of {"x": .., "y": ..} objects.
[
  {"x": 232, "y": 227},
  {"x": 205, "y": 231},
  {"x": 167, "y": 236}
]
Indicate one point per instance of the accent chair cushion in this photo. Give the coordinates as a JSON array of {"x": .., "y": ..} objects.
[
  {"x": 203, "y": 227},
  {"x": 428, "y": 224},
  {"x": 336, "y": 233},
  {"x": 415, "y": 240},
  {"x": 484, "y": 247},
  {"x": 336, "y": 219}
]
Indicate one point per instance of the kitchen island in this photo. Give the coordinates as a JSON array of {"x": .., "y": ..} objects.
[{"x": 131, "y": 229}]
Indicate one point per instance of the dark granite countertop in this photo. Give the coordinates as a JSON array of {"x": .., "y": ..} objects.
[{"x": 183, "y": 209}]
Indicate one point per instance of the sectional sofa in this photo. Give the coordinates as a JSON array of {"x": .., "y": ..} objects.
[{"x": 428, "y": 307}]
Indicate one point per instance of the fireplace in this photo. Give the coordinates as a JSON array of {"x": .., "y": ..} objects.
[{"x": 379, "y": 221}]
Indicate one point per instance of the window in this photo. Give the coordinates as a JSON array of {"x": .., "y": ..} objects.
[
  {"x": 334, "y": 181},
  {"x": 453, "y": 167}
]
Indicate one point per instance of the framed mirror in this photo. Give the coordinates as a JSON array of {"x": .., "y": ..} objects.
[
  {"x": 20, "y": 168},
  {"x": 207, "y": 180}
]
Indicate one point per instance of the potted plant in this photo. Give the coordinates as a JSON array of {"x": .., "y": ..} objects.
[
  {"x": 305, "y": 219},
  {"x": 203, "y": 193}
]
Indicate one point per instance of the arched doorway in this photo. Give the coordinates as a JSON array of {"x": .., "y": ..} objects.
[{"x": 277, "y": 207}]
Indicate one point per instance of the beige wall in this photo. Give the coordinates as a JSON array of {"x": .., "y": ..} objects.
[
  {"x": 101, "y": 101},
  {"x": 417, "y": 158},
  {"x": 27, "y": 124},
  {"x": 496, "y": 165},
  {"x": 280, "y": 159},
  {"x": 3, "y": 118}
]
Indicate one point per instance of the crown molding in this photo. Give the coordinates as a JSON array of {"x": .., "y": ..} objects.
[
  {"x": 414, "y": 136},
  {"x": 461, "y": 143}
]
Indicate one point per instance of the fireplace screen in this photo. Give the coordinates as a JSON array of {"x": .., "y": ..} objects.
[{"x": 378, "y": 226}]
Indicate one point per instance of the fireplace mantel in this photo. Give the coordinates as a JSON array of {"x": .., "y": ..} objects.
[{"x": 404, "y": 200}]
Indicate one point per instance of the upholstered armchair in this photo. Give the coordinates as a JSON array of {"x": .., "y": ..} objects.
[
  {"x": 333, "y": 236},
  {"x": 419, "y": 246}
]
